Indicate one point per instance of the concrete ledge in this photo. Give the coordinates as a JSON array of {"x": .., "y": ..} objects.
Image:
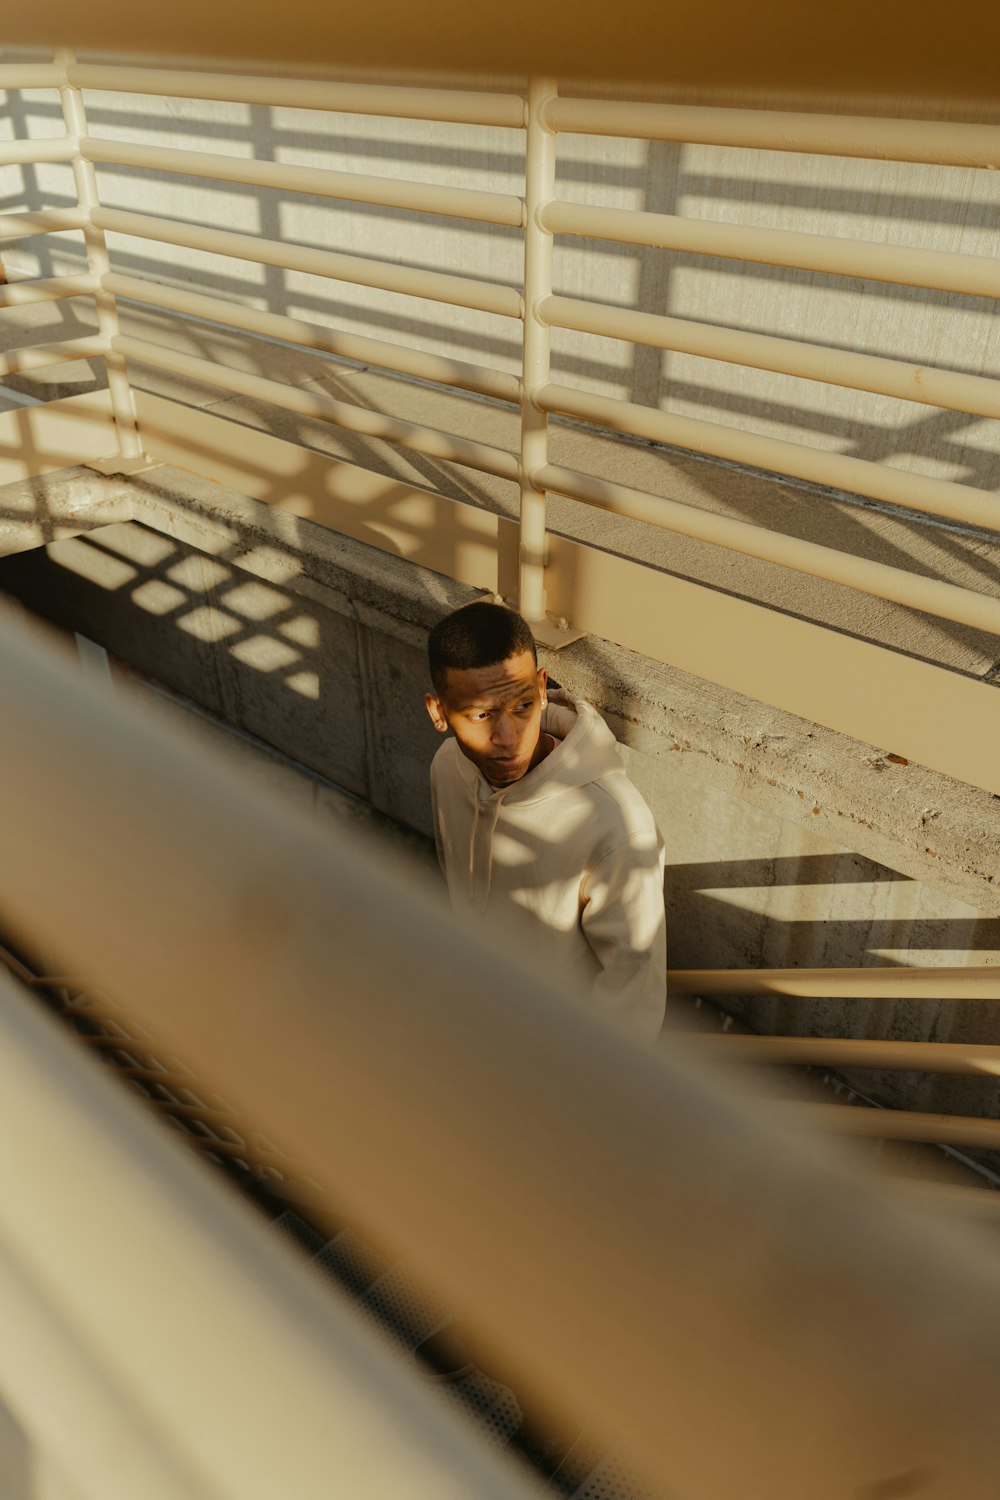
[
  {"x": 787, "y": 844},
  {"x": 919, "y": 823}
]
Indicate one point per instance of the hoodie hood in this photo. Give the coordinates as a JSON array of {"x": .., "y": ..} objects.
[{"x": 586, "y": 751}]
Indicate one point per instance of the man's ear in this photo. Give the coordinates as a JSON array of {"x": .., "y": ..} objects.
[
  {"x": 433, "y": 707},
  {"x": 543, "y": 678}
]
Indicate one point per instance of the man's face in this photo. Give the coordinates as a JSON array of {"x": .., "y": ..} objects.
[{"x": 495, "y": 714}]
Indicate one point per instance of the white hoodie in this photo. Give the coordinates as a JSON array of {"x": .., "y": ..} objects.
[{"x": 573, "y": 848}]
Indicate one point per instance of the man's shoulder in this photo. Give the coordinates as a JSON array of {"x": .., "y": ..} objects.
[
  {"x": 620, "y": 808},
  {"x": 447, "y": 762}
]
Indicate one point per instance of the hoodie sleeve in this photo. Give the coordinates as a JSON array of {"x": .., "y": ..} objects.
[
  {"x": 437, "y": 814},
  {"x": 624, "y": 923}
]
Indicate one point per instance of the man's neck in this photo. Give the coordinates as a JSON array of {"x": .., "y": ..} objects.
[{"x": 546, "y": 744}]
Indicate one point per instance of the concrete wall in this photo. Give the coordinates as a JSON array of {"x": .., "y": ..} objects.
[
  {"x": 945, "y": 208},
  {"x": 785, "y": 848}
]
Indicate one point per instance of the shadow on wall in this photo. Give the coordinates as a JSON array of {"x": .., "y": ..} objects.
[
  {"x": 843, "y": 910},
  {"x": 658, "y": 177},
  {"x": 305, "y": 677},
  {"x": 711, "y": 184}
]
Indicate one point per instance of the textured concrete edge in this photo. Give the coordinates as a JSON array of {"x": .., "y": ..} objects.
[
  {"x": 917, "y": 822},
  {"x": 941, "y": 832}
]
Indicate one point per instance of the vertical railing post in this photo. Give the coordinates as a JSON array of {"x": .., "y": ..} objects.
[
  {"x": 130, "y": 452},
  {"x": 539, "y": 189}
]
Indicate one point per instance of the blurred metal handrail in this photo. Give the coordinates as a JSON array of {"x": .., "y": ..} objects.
[
  {"x": 662, "y": 1259},
  {"x": 257, "y": 1384},
  {"x": 973, "y": 982}
]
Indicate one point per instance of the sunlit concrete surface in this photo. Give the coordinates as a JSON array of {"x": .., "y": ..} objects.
[{"x": 786, "y": 844}]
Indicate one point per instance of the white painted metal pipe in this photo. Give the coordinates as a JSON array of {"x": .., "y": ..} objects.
[
  {"x": 13, "y": 153},
  {"x": 839, "y": 471},
  {"x": 354, "y": 187},
  {"x": 946, "y": 600},
  {"x": 38, "y": 356},
  {"x": 850, "y": 1052},
  {"x": 460, "y": 291},
  {"x": 950, "y": 1196},
  {"x": 866, "y": 372},
  {"x": 436, "y": 367},
  {"x": 943, "y": 270},
  {"x": 47, "y": 289},
  {"x": 540, "y": 172},
  {"x": 161, "y": 1343},
  {"x": 40, "y": 221},
  {"x": 74, "y": 1415},
  {"x": 980, "y": 982},
  {"x": 98, "y": 264},
  {"x": 892, "y": 1124},
  {"x": 458, "y": 106},
  {"x": 425, "y": 440},
  {"x": 30, "y": 76},
  {"x": 881, "y": 139}
]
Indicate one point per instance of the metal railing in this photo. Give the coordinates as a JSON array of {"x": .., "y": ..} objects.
[{"x": 543, "y": 117}]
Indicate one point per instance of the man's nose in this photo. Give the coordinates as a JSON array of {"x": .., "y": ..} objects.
[{"x": 504, "y": 730}]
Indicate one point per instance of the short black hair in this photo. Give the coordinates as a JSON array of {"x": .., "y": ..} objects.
[{"x": 477, "y": 635}]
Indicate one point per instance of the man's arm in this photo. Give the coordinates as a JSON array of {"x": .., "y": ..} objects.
[{"x": 624, "y": 923}]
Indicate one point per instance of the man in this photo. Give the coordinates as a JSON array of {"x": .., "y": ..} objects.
[{"x": 535, "y": 818}]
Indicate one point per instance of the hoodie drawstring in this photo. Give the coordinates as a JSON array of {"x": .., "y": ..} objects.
[{"x": 497, "y": 800}]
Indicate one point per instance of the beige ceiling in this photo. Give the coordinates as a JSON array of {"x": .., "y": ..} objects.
[{"x": 887, "y": 48}]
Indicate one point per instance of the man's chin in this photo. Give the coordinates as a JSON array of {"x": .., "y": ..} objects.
[{"x": 504, "y": 773}]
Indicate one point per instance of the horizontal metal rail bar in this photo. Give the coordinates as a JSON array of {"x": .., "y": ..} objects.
[
  {"x": 839, "y": 471},
  {"x": 41, "y": 221},
  {"x": 47, "y": 289},
  {"x": 947, "y": 1195},
  {"x": 56, "y": 148},
  {"x": 438, "y": 286},
  {"x": 455, "y": 106},
  {"x": 865, "y": 372},
  {"x": 30, "y": 76},
  {"x": 933, "y": 142},
  {"x": 851, "y": 1052},
  {"x": 426, "y": 440},
  {"x": 946, "y": 600},
  {"x": 981, "y": 982},
  {"x": 354, "y": 187},
  {"x": 405, "y": 361},
  {"x": 893, "y": 1124},
  {"x": 942, "y": 270},
  {"x": 38, "y": 356}
]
